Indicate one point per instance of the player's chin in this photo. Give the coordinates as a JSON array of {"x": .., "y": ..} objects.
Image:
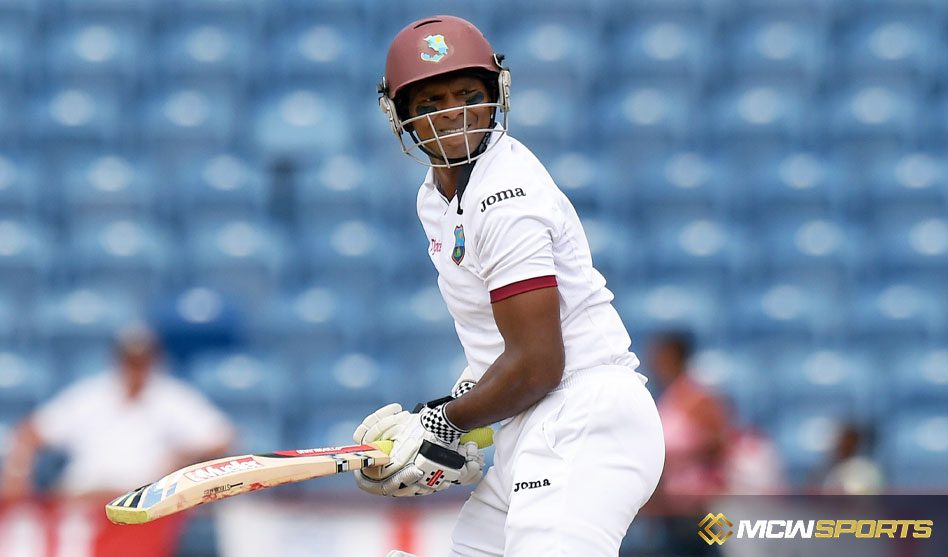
[{"x": 457, "y": 147}]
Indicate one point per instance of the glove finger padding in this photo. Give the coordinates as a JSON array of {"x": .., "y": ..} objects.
[
  {"x": 380, "y": 424},
  {"x": 473, "y": 469}
]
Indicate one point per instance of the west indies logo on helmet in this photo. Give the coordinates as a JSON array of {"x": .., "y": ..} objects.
[{"x": 434, "y": 47}]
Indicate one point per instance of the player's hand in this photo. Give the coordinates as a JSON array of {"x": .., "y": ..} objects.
[
  {"x": 473, "y": 469},
  {"x": 381, "y": 424},
  {"x": 425, "y": 458}
]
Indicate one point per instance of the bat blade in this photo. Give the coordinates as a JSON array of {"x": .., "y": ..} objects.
[{"x": 225, "y": 477}]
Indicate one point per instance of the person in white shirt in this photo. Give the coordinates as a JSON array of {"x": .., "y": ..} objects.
[
  {"x": 579, "y": 448},
  {"x": 118, "y": 429}
]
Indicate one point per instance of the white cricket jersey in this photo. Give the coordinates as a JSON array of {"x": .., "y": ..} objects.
[{"x": 518, "y": 232}]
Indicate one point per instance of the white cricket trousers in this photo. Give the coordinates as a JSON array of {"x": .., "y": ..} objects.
[{"x": 569, "y": 474}]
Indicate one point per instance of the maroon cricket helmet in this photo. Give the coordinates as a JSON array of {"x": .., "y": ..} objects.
[{"x": 434, "y": 46}]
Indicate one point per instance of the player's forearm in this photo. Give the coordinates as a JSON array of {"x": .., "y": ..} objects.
[{"x": 512, "y": 384}]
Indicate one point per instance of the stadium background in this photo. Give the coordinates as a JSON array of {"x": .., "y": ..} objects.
[{"x": 767, "y": 174}]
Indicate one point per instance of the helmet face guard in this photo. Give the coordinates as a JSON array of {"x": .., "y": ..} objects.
[
  {"x": 433, "y": 47},
  {"x": 431, "y": 152}
]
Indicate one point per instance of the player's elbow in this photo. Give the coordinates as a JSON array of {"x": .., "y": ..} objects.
[{"x": 546, "y": 369}]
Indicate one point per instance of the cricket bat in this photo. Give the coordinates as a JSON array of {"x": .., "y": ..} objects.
[{"x": 225, "y": 477}]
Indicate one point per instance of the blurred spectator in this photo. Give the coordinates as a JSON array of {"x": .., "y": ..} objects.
[
  {"x": 851, "y": 472},
  {"x": 754, "y": 465},
  {"x": 696, "y": 427},
  {"x": 119, "y": 430},
  {"x": 695, "y": 421}
]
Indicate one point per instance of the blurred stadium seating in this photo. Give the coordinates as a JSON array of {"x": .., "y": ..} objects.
[{"x": 768, "y": 174}]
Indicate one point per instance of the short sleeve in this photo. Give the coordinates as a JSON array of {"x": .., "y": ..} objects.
[
  {"x": 197, "y": 425},
  {"x": 55, "y": 419},
  {"x": 515, "y": 228}
]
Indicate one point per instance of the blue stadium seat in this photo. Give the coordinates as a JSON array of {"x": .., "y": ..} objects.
[
  {"x": 800, "y": 179},
  {"x": 203, "y": 115},
  {"x": 223, "y": 10},
  {"x": 251, "y": 389},
  {"x": 328, "y": 424},
  {"x": 416, "y": 317},
  {"x": 845, "y": 381},
  {"x": 780, "y": 312},
  {"x": 665, "y": 45},
  {"x": 349, "y": 377},
  {"x": 139, "y": 8},
  {"x": 338, "y": 185},
  {"x": 126, "y": 256},
  {"x": 25, "y": 380},
  {"x": 577, "y": 174},
  {"x": 780, "y": 45},
  {"x": 318, "y": 48},
  {"x": 662, "y": 306},
  {"x": 737, "y": 376},
  {"x": 770, "y": 111},
  {"x": 648, "y": 112},
  {"x": 198, "y": 319},
  {"x": 888, "y": 313},
  {"x": 11, "y": 126},
  {"x": 222, "y": 186},
  {"x": 919, "y": 375},
  {"x": 104, "y": 50},
  {"x": 299, "y": 123},
  {"x": 12, "y": 327},
  {"x": 27, "y": 258},
  {"x": 14, "y": 51},
  {"x": 306, "y": 324},
  {"x": 19, "y": 190},
  {"x": 908, "y": 177},
  {"x": 542, "y": 114},
  {"x": 874, "y": 110},
  {"x": 806, "y": 437},
  {"x": 208, "y": 49},
  {"x": 905, "y": 46},
  {"x": 548, "y": 45},
  {"x": 242, "y": 383},
  {"x": 78, "y": 113},
  {"x": 431, "y": 373},
  {"x": 350, "y": 252},
  {"x": 812, "y": 249},
  {"x": 243, "y": 258},
  {"x": 73, "y": 322},
  {"x": 915, "y": 449},
  {"x": 107, "y": 186},
  {"x": 913, "y": 242},
  {"x": 678, "y": 180},
  {"x": 617, "y": 247},
  {"x": 695, "y": 246}
]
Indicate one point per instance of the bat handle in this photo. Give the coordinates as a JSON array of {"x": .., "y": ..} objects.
[{"x": 483, "y": 436}]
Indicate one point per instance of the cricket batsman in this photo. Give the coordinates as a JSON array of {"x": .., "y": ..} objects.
[{"x": 579, "y": 445}]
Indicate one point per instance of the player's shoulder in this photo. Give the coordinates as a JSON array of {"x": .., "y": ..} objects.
[{"x": 513, "y": 181}]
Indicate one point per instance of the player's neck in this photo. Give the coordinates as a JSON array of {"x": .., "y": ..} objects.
[{"x": 447, "y": 180}]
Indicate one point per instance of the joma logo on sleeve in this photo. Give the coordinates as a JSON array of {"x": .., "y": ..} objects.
[{"x": 500, "y": 196}]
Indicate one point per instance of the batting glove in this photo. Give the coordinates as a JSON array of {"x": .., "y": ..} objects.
[{"x": 425, "y": 458}]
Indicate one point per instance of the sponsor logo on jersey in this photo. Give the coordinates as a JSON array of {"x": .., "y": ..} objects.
[
  {"x": 438, "y": 45},
  {"x": 457, "y": 255},
  {"x": 501, "y": 196},
  {"x": 223, "y": 469},
  {"x": 531, "y": 485},
  {"x": 435, "y": 247}
]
